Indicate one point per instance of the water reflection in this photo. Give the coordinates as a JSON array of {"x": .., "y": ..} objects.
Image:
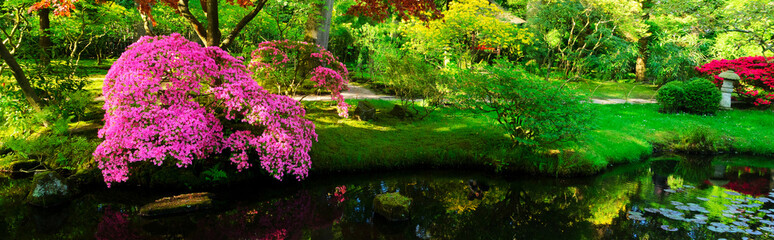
[{"x": 655, "y": 200}]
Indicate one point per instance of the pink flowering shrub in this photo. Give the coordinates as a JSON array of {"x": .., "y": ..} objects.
[
  {"x": 756, "y": 73},
  {"x": 162, "y": 97},
  {"x": 287, "y": 64}
]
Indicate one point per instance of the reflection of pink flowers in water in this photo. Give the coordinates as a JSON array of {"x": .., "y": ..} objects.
[
  {"x": 114, "y": 226},
  {"x": 339, "y": 193},
  {"x": 280, "y": 219}
]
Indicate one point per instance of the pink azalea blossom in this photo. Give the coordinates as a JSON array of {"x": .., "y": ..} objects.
[{"x": 162, "y": 97}]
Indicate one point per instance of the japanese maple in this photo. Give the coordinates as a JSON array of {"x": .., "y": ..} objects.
[{"x": 162, "y": 97}]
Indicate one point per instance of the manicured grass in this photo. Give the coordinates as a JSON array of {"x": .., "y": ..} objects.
[
  {"x": 452, "y": 138},
  {"x": 628, "y": 132},
  {"x": 445, "y": 138}
]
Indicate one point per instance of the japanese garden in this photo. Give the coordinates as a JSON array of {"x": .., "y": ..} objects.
[{"x": 387, "y": 119}]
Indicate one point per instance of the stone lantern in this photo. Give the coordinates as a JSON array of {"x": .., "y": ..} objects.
[{"x": 729, "y": 77}]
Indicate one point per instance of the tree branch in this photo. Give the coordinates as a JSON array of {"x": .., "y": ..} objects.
[
  {"x": 242, "y": 23},
  {"x": 182, "y": 6}
]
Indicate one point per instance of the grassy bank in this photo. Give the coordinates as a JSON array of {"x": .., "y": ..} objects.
[{"x": 451, "y": 138}]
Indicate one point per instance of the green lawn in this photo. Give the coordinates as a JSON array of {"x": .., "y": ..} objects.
[
  {"x": 610, "y": 89},
  {"x": 624, "y": 133},
  {"x": 445, "y": 138}
]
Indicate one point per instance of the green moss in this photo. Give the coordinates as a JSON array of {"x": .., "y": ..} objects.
[{"x": 393, "y": 206}]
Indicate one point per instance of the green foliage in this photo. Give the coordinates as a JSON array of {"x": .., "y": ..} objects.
[
  {"x": 413, "y": 81},
  {"x": 675, "y": 57},
  {"x": 471, "y": 31},
  {"x": 701, "y": 140},
  {"x": 615, "y": 60},
  {"x": 701, "y": 96},
  {"x": 671, "y": 97},
  {"x": 532, "y": 111},
  {"x": 570, "y": 33},
  {"x": 56, "y": 151},
  {"x": 215, "y": 174}
]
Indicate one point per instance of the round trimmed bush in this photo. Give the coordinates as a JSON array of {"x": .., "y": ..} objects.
[
  {"x": 671, "y": 97},
  {"x": 701, "y": 96}
]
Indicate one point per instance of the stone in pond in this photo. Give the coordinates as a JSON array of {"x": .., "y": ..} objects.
[
  {"x": 48, "y": 190},
  {"x": 184, "y": 203},
  {"x": 23, "y": 169},
  {"x": 365, "y": 111},
  {"x": 392, "y": 206}
]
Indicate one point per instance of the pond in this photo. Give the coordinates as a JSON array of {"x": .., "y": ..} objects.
[{"x": 652, "y": 200}]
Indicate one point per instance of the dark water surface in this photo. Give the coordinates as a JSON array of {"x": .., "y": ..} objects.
[{"x": 654, "y": 200}]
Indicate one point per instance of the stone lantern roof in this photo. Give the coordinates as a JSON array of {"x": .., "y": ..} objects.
[{"x": 729, "y": 75}]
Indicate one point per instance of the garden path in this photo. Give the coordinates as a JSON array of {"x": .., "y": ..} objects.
[{"x": 358, "y": 92}]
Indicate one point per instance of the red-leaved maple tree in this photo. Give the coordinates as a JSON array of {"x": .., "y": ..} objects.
[{"x": 379, "y": 10}]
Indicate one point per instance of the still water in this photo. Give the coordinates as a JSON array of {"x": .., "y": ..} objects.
[{"x": 653, "y": 200}]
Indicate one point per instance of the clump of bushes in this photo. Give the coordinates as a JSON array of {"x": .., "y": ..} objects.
[
  {"x": 698, "y": 96},
  {"x": 702, "y": 97},
  {"x": 671, "y": 97}
]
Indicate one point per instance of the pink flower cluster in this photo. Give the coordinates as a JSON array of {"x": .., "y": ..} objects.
[
  {"x": 756, "y": 73},
  {"x": 161, "y": 100},
  {"x": 273, "y": 57}
]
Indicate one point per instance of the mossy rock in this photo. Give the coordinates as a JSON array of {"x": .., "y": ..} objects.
[
  {"x": 18, "y": 168},
  {"x": 365, "y": 111},
  {"x": 184, "y": 203},
  {"x": 48, "y": 190},
  {"x": 392, "y": 206}
]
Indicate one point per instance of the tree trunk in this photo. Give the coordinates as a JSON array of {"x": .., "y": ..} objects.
[
  {"x": 312, "y": 24},
  {"x": 324, "y": 31},
  {"x": 640, "y": 70},
  {"x": 318, "y": 27},
  {"x": 213, "y": 30},
  {"x": 147, "y": 25},
  {"x": 21, "y": 79},
  {"x": 45, "y": 36}
]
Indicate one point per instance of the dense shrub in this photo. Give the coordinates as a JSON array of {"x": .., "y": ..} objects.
[
  {"x": 671, "y": 97},
  {"x": 701, "y": 96},
  {"x": 534, "y": 112},
  {"x": 757, "y": 77},
  {"x": 161, "y": 100}
]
